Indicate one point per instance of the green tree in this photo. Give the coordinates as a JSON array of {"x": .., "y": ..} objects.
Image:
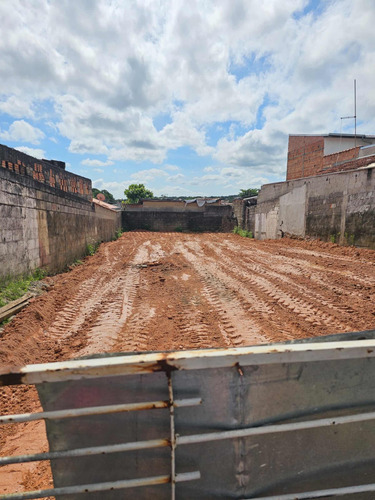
[
  {"x": 108, "y": 197},
  {"x": 247, "y": 193},
  {"x": 136, "y": 192}
]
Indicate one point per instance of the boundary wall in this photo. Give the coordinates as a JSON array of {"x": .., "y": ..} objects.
[
  {"x": 338, "y": 207},
  {"x": 206, "y": 218},
  {"x": 44, "y": 226}
]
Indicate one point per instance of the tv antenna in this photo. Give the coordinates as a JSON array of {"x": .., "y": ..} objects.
[{"x": 354, "y": 116}]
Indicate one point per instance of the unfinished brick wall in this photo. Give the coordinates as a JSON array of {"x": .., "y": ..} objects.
[
  {"x": 305, "y": 156},
  {"x": 336, "y": 158},
  {"x": 342, "y": 166},
  {"x": 44, "y": 171}
]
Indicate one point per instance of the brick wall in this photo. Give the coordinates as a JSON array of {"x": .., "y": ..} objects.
[
  {"x": 342, "y": 166},
  {"x": 342, "y": 156},
  {"x": 45, "y": 172},
  {"x": 41, "y": 226},
  {"x": 305, "y": 156}
]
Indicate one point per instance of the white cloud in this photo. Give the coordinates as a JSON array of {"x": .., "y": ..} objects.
[
  {"x": 37, "y": 153},
  {"x": 96, "y": 163},
  {"x": 148, "y": 175},
  {"x": 171, "y": 168},
  {"x": 17, "y": 107},
  {"x": 21, "y": 131},
  {"x": 233, "y": 78},
  {"x": 114, "y": 187},
  {"x": 175, "y": 178}
]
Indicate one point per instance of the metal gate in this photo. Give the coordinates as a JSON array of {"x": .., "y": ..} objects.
[{"x": 282, "y": 421}]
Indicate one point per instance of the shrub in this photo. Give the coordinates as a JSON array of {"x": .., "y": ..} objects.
[{"x": 242, "y": 232}]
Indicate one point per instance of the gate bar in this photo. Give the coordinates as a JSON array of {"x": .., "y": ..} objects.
[
  {"x": 192, "y": 439},
  {"x": 89, "y": 488},
  {"x": 96, "y": 410}
]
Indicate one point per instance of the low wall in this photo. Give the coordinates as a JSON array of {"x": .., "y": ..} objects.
[
  {"x": 207, "y": 218},
  {"x": 41, "y": 226},
  {"x": 338, "y": 207}
]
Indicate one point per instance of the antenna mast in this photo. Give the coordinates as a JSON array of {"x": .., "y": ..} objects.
[{"x": 355, "y": 114}]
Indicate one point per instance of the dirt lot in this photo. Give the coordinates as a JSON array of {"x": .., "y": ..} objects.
[{"x": 170, "y": 291}]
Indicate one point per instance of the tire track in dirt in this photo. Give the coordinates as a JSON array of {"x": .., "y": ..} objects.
[
  {"x": 281, "y": 289},
  {"x": 300, "y": 278},
  {"x": 221, "y": 297},
  {"x": 181, "y": 315}
]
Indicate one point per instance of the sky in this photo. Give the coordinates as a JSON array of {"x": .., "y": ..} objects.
[{"x": 190, "y": 97}]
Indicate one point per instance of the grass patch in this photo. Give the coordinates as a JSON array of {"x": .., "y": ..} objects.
[
  {"x": 243, "y": 232},
  {"x": 13, "y": 289}
]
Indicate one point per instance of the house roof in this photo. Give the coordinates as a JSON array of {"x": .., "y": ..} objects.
[
  {"x": 335, "y": 135},
  {"x": 105, "y": 205}
]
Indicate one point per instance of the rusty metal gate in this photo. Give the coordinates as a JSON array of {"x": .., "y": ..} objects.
[{"x": 282, "y": 421}]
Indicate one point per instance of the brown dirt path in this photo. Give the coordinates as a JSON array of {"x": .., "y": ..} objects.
[{"x": 170, "y": 291}]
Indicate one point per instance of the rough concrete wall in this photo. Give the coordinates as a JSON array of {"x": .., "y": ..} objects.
[
  {"x": 292, "y": 212},
  {"x": 44, "y": 227},
  {"x": 210, "y": 219},
  {"x": 267, "y": 221},
  {"x": 239, "y": 209},
  {"x": 338, "y": 207},
  {"x": 249, "y": 222}
]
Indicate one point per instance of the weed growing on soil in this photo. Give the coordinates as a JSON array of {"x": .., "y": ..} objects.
[
  {"x": 13, "y": 289},
  {"x": 76, "y": 263},
  {"x": 92, "y": 248},
  {"x": 118, "y": 234},
  {"x": 242, "y": 232},
  {"x": 178, "y": 229}
]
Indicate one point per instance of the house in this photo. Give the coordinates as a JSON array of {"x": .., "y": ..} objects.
[{"x": 310, "y": 155}]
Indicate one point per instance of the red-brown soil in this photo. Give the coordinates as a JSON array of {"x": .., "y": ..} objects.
[{"x": 171, "y": 291}]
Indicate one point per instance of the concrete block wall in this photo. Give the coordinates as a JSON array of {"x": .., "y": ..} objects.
[
  {"x": 41, "y": 226},
  {"x": 338, "y": 207}
]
